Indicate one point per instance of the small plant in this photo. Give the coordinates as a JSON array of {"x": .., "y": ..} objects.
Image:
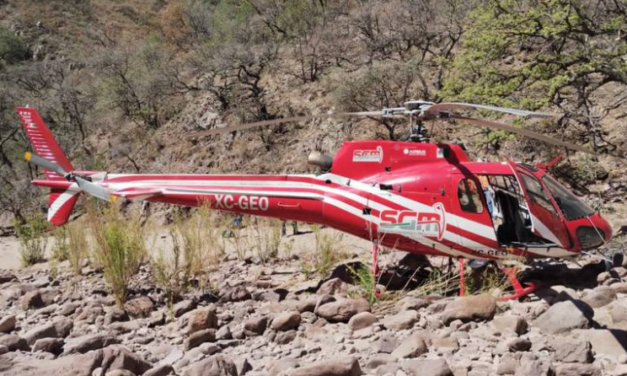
[
  {"x": 119, "y": 248},
  {"x": 61, "y": 248},
  {"x": 77, "y": 246},
  {"x": 266, "y": 234},
  {"x": 327, "y": 252},
  {"x": 33, "y": 241},
  {"x": 365, "y": 282},
  {"x": 169, "y": 273}
]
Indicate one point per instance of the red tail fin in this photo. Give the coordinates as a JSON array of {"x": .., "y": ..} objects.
[
  {"x": 43, "y": 141},
  {"x": 62, "y": 200}
]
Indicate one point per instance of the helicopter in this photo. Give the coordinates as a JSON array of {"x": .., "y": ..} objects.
[{"x": 415, "y": 196}]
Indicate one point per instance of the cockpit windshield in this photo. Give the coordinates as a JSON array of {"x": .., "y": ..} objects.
[{"x": 569, "y": 204}]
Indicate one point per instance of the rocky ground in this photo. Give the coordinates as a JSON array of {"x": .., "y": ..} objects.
[{"x": 269, "y": 320}]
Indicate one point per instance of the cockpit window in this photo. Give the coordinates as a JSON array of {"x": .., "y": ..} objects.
[
  {"x": 537, "y": 193},
  {"x": 469, "y": 198},
  {"x": 569, "y": 204}
]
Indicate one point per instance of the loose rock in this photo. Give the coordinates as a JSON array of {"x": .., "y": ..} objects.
[
  {"x": 286, "y": 321},
  {"x": 342, "y": 310},
  {"x": 470, "y": 308},
  {"x": 333, "y": 367}
]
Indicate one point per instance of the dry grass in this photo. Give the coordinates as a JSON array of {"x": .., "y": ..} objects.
[
  {"x": 119, "y": 247},
  {"x": 78, "y": 248},
  {"x": 265, "y": 234},
  {"x": 61, "y": 248},
  {"x": 328, "y": 251},
  {"x": 171, "y": 273},
  {"x": 33, "y": 240}
]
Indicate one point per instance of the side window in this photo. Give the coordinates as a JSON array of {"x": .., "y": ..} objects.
[
  {"x": 469, "y": 198},
  {"x": 537, "y": 193}
]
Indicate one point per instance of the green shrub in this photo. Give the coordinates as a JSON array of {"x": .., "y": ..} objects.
[
  {"x": 119, "y": 248},
  {"x": 12, "y": 48},
  {"x": 61, "y": 248},
  {"x": 33, "y": 240}
]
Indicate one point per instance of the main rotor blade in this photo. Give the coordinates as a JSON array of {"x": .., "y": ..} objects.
[
  {"x": 94, "y": 189},
  {"x": 44, "y": 163},
  {"x": 522, "y": 132},
  {"x": 292, "y": 119},
  {"x": 434, "y": 109}
]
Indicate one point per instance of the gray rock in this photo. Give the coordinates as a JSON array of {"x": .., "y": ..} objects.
[
  {"x": 530, "y": 365},
  {"x": 565, "y": 316},
  {"x": 115, "y": 315},
  {"x": 68, "y": 308},
  {"x": 343, "y": 309},
  {"x": 470, "y": 308},
  {"x": 32, "y": 300},
  {"x": 446, "y": 343},
  {"x": 162, "y": 370},
  {"x": 243, "y": 366},
  {"x": 14, "y": 342},
  {"x": 73, "y": 365},
  {"x": 283, "y": 338},
  {"x": 386, "y": 344},
  {"x": 63, "y": 326},
  {"x": 332, "y": 287},
  {"x": 517, "y": 344},
  {"x": 6, "y": 276},
  {"x": 286, "y": 321},
  {"x": 199, "y": 337},
  {"x": 139, "y": 307},
  {"x": 510, "y": 323},
  {"x": 607, "y": 342},
  {"x": 117, "y": 357},
  {"x": 157, "y": 318},
  {"x": 200, "y": 319},
  {"x": 414, "y": 304},
  {"x": 508, "y": 364},
  {"x": 412, "y": 347},
  {"x": 571, "y": 349},
  {"x": 7, "y": 324},
  {"x": 281, "y": 366},
  {"x": 224, "y": 333},
  {"x": 235, "y": 294},
  {"x": 120, "y": 372},
  {"x": 3, "y": 349},
  {"x": 256, "y": 326},
  {"x": 51, "y": 345},
  {"x": 575, "y": 369},
  {"x": 216, "y": 365},
  {"x": 346, "y": 366},
  {"x": 599, "y": 297},
  {"x": 362, "y": 320},
  {"x": 427, "y": 367},
  {"x": 378, "y": 360},
  {"x": 87, "y": 343},
  {"x": 43, "y": 331},
  {"x": 402, "y": 320},
  {"x": 183, "y": 307}
]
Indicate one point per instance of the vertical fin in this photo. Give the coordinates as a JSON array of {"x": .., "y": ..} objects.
[{"x": 43, "y": 141}]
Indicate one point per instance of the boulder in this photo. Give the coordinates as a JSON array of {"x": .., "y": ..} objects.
[
  {"x": 31, "y": 300},
  {"x": 342, "y": 310},
  {"x": 14, "y": 342},
  {"x": 402, "y": 320},
  {"x": 607, "y": 342},
  {"x": 576, "y": 369},
  {"x": 283, "y": 338},
  {"x": 571, "y": 349},
  {"x": 446, "y": 343},
  {"x": 386, "y": 344},
  {"x": 183, "y": 307},
  {"x": 599, "y": 297},
  {"x": 139, "y": 307},
  {"x": 256, "y": 326},
  {"x": 346, "y": 366},
  {"x": 117, "y": 357},
  {"x": 281, "y": 366},
  {"x": 7, "y": 324},
  {"x": 200, "y": 319},
  {"x": 412, "y": 347},
  {"x": 530, "y": 365},
  {"x": 200, "y": 337},
  {"x": 509, "y": 323},
  {"x": 88, "y": 342},
  {"x": 68, "y": 308},
  {"x": 427, "y": 367},
  {"x": 565, "y": 316},
  {"x": 43, "y": 331},
  {"x": 115, "y": 315},
  {"x": 7, "y": 276},
  {"x": 162, "y": 370},
  {"x": 51, "y": 345},
  {"x": 362, "y": 320},
  {"x": 235, "y": 294},
  {"x": 216, "y": 365},
  {"x": 286, "y": 321},
  {"x": 74, "y": 365},
  {"x": 470, "y": 308},
  {"x": 414, "y": 304},
  {"x": 332, "y": 287},
  {"x": 224, "y": 333}
]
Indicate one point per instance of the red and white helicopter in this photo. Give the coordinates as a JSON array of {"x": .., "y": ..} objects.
[{"x": 419, "y": 197}]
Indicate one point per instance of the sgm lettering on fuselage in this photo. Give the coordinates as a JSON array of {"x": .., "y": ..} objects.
[
  {"x": 407, "y": 222},
  {"x": 261, "y": 203}
]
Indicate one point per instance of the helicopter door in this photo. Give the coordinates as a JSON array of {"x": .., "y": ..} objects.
[
  {"x": 545, "y": 219},
  {"x": 470, "y": 206}
]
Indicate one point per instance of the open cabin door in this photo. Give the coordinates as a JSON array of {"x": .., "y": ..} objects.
[{"x": 546, "y": 221}]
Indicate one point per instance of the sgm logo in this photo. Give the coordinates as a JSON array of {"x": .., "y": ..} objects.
[
  {"x": 372, "y": 155},
  {"x": 242, "y": 202},
  {"x": 408, "y": 221}
]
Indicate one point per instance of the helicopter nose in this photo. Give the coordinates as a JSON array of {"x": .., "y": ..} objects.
[{"x": 594, "y": 234}]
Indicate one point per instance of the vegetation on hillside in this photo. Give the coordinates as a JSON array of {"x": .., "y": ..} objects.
[{"x": 122, "y": 85}]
